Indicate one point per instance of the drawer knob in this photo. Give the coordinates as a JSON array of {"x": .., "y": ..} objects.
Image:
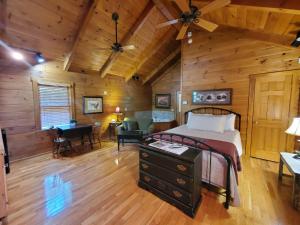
[
  {"x": 146, "y": 178},
  {"x": 181, "y": 167},
  {"x": 145, "y": 166},
  {"x": 144, "y": 154},
  {"x": 180, "y": 181},
  {"x": 177, "y": 194}
]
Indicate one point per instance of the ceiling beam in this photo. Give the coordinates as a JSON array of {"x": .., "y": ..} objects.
[
  {"x": 86, "y": 17},
  {"x": 283, "y": 6},
  {"x": 170, "y": 34},
  {"x": 3, "y": 8},
  {"x": 164, "y": 65},
  {"x": 125, "y": 40},
  {"x": 168, "y": 11}
]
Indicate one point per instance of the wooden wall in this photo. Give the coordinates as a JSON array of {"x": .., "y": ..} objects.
[
  {"x": 225, "y": 59},
  {"x": 17, "y": 106},
  {"x": 168, "y": 83}
]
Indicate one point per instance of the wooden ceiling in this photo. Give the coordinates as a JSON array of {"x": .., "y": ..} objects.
[{"x": 72, "y": 30}]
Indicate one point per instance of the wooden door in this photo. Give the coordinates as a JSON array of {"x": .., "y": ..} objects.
[{"x": 271, "y": 107}]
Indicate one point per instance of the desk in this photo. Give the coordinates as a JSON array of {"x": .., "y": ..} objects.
[
  {"x": 293, "y": 166},
  {"x": 70, "y": 131}
]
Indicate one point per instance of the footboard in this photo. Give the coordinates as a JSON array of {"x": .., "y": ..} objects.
[{"x": 198, "y": 144}]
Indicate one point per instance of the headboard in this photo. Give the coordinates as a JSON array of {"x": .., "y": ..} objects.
[{"x": 215, "y": 111}]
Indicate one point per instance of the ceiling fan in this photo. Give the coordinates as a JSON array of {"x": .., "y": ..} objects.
[
  {"x": 191, "y": 14},
  {"x": 117, "y": 47}
]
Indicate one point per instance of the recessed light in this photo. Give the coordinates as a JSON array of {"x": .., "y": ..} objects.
[
  {"x": 17, "y": 55},
  {"x": 39, "y": 57}
]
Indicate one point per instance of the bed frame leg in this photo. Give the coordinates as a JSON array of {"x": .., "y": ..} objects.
[{"x": 228, "y": 192}]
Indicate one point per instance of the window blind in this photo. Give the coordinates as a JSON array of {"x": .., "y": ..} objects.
[{"x": 55, "y": 106}]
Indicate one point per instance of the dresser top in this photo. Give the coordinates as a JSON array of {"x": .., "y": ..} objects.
[{"x": 189, "y": 155}]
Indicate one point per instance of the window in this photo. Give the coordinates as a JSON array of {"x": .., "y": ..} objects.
[{"x": 55, "y": 105}]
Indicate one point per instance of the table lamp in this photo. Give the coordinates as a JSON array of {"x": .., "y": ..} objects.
[{"x": 294, "y": 129}]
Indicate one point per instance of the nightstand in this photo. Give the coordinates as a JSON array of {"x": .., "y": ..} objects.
[{"x": 293, "y": 166}]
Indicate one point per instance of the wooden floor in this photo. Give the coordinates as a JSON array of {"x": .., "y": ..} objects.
[{"x": 100, "y": 188}]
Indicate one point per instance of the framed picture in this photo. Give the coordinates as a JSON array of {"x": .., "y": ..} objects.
[
  {"x": 212, "y": 97},
  {"x": 163, "y": 101},
  {"x": 92, "y": 104}
]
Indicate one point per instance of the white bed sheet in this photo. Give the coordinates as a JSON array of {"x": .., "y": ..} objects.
[{"x": 217, "y": 175}]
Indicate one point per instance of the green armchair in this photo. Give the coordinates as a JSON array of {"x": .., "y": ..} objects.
[{"x": 136, "y": 124}]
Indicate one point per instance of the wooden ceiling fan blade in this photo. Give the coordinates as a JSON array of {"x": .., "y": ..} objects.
[
  {"x": 128, "y": 47},
  {"x": 183, "y": 5},
  {"x": 167, "y": 23},
  {"x": 210, "y": 26},
  {"x": 182, "y": 32},
  {"x": 217, "y": 4}
]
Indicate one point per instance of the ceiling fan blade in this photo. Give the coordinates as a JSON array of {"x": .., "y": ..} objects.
[
  {"x": 128, "y": 47},
  {"x": 167, "y": 23},
  {"x": 183, "y": 5},
  {"x": 217, "y": 4},
  {"x": 210, "y": 26},
  {"x": 182, "y": 32}
]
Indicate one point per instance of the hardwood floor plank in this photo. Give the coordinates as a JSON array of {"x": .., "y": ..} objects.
[{"x": 100, "y": 187}]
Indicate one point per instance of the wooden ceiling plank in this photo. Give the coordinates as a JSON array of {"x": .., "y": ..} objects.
[
  {"x": 276, "y": 39},
  {"x": 169, "y": 35},
  {"x": 3, "y": 8},
  {"x": 125, "y": 40},
  {"x": 164, "y": 65},
  {"x": 168, "y": 11},
  {"x": 87, "y": 15},
  {"x": 286, "y": 6}
]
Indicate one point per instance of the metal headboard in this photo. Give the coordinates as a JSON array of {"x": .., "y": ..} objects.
[{"x": 215, "y": 111}]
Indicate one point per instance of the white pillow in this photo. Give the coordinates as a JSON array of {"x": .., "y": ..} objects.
[
  {"x": 206, "y": 122},
  {"x": 230, "y": 121}
]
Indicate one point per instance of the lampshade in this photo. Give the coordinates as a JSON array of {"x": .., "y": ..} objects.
[
  {"x": 294, "y": 129},
  {"x": 117, "y": 109}
]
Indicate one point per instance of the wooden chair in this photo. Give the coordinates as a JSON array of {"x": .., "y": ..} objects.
[
  {"x": 61, "y": 144},
  {"x": 97, "y": 134}
]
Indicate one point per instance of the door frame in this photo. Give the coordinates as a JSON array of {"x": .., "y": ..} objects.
[{"x": 293, "y": 108}]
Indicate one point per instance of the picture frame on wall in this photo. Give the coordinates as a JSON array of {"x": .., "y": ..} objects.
[
  {"x": 212, "y": 97},
  {"x": 163, "y": 101},
  {"x": 92, "y": 104}
]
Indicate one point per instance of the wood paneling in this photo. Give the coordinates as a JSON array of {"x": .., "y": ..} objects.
[
  {"x": 100, "y": 187},
  {"x": 168, "y": 83},
  {"x": 225, "y": 60},
  {"x": 17, "y": 104}
]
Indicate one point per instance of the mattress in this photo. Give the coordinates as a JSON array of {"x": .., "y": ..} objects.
[{"x": 233, "y": 137}]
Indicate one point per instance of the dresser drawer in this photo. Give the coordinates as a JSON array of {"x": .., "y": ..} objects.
[
  {"x": 177, "y": 179},
  {"x": 167, "y": 162},
  {"x": 167, "y": 188}
]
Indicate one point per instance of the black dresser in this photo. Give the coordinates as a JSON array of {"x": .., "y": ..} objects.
[{"x": 174, "y": 178}]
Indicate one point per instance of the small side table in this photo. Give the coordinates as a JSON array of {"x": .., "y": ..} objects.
[
  {"x": 112, "y": 129},
  {"x": 293, "y": 166}
]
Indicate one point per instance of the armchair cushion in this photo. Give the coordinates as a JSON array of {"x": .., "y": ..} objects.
[{"x": 130, "y": 125}]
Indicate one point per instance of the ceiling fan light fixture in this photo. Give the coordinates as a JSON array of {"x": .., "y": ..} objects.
[{"x": 296, "y": 42}]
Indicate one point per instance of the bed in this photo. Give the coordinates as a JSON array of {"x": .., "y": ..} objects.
[{"x": 221, "y": 152}]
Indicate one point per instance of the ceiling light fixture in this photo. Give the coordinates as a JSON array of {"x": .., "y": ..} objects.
[
  {"x": 39, "y": 57},
  {"x": 17, "y": 55},
  {"x": 296, "y": 42}
]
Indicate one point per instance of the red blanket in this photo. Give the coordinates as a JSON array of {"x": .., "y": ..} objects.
[{"x": 222, "y": 147}]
